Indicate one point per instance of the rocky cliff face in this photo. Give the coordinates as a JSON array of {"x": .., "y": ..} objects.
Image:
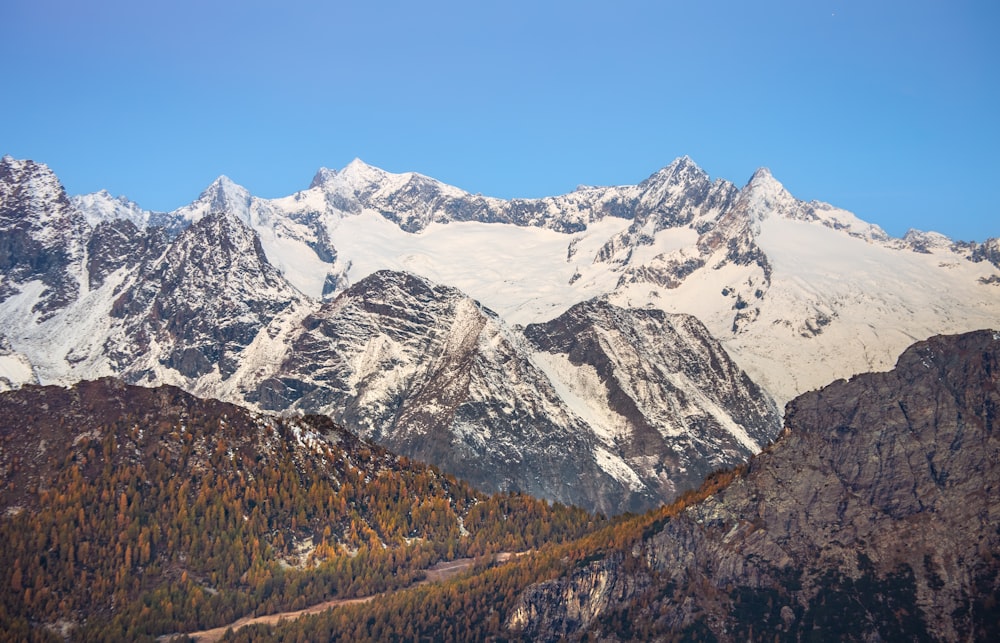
[
  {"x": 202, "y": 302},
  {"x": 41, "y": 237},
  {"x": 425, "y": 370},
  {"x": 874, "y": 518}
]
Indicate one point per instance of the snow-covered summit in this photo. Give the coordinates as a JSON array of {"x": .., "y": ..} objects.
[
  {"x": 224, "y": 195},
  {"x": 101, "y": 206},
  {"x": 764, "y": 196},
  {"x": 323, "y": 176},
  {"x": 926, "y": 241}
]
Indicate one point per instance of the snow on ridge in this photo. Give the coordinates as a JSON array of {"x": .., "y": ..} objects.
[
  {"x": 101, "y": 206},
  {"x": 15, "y": 371}
]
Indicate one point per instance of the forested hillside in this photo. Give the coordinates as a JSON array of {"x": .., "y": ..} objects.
[{"x": 132, "y": 512}]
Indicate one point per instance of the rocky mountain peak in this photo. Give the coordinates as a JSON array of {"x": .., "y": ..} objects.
[
  {"x": 989, "y": 251},
  {"x": 41, "y": 235},
  {"x": 222, "y": 195},
  {"x": 226, "y": 195},
  {"x": 920, "y": 241},
  {"x": 102, "y": 206},
  {"x": 765, "y": 196},
  {"x": 323, "y": 176},
  {"x": 358, "y": 173},
  {"x": 30, "y": 189},
  {"x": 681, "y": 171},
  {"x": 203, "y": 301}
]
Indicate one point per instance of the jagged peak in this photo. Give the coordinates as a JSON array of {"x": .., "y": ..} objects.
[
  {"x": 225, "y": 194},
  {"x": 357, "y": 167},
  {"x": 679, "y": 165},
  {"x": 921, "y": 240},
  {"x": 101, "y": 206},
  {"x": 356, "y": 162},
  {"x": 680, "y": 170},
  {"x": 34, "y": 184},
  {"x": 683, "y": 161},
  {"x": 762, "y": 179},
  {"x": 225, "y": 184},
  {"x": 103, "y": 195},
  {"x": 915, "y": 234},
  {"x": 359, "y": 177},
  {"x": 764, "y": 195},
  {"x": 27, "y": 169},
  {"x": 323, "y": 176},
  {"x": 358, "y": 174},
  {"x": 19, "y": 164}
]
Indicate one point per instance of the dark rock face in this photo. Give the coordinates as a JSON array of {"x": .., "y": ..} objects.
[
  {"x": 41, "y": 235},
  {"x": 117, "y": 244},
  {"x": 874, "y": 518},
  {"x": 989, "y": 251}
]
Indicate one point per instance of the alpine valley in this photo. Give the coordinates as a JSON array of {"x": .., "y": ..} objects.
[
  {"x": 676, "y": 410},
  {"x": 606, "y": 348}
]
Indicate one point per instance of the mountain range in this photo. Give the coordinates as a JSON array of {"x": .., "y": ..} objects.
[{"x": 607, "y": 347}]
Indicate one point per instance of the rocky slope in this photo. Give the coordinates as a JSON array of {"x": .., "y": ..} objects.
[
  {"x": 648, "y": 382},
  {"x": 874, "y": 518}
]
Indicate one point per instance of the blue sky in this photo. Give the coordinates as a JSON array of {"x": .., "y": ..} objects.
[{"x": 889, "y": 109}]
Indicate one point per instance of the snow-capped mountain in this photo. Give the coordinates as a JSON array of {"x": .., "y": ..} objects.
[
  {"x": 536, "y": 342},
  {"x": 800, "y": 293},
  {"x": 603, "y": 407}
]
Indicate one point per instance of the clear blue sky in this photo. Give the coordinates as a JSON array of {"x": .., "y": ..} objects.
[{"x": 889, "y": 109}]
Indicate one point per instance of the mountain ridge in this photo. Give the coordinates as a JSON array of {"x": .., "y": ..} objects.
[{"x": 221, "y": 298}]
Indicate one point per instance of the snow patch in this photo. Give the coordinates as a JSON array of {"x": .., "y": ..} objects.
[
  {"x": 583, "y": 392},
  {"x": 618, "y": 469}
]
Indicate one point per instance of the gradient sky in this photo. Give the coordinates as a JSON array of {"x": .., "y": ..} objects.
[{"x": 889, "y": 109}]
